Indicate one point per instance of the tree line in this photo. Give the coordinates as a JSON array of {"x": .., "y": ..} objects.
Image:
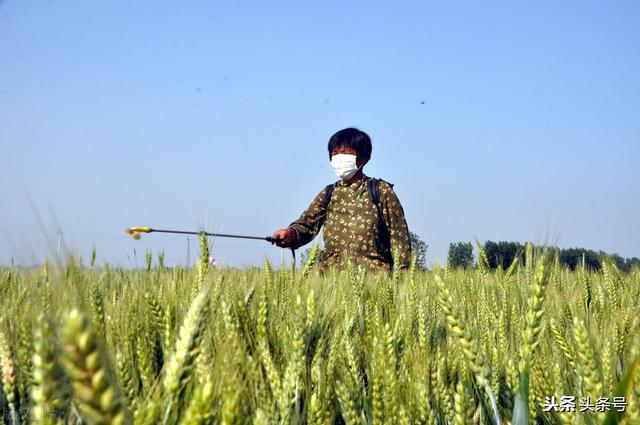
[{"x": 502, "y": 254}]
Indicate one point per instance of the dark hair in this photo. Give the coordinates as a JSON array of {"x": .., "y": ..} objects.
[{"x": 352, "y": 138}]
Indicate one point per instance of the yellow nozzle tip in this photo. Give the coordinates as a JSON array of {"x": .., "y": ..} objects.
[
  {"x": 139, "y": 229},
  {"x": 134, "y": 232}
]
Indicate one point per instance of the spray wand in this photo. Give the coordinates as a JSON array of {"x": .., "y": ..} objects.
[{"x": 134, "y": 232}]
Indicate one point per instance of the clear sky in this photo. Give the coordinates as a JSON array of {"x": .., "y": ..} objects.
[{"x": 495, "y": 120}]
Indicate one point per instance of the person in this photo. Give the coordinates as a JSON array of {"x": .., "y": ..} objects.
[{"x": 355, "y": 227}]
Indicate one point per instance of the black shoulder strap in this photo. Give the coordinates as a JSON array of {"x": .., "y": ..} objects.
[
  {"x": 327, "y": 194},
  {"x": 374, "y": 194},
  {"x": 374, "y": 191}
]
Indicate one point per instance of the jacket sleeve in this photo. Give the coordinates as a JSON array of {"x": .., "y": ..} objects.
[
  {"x": 310, "y": 222},
  {"x": 393, "y": 215}
]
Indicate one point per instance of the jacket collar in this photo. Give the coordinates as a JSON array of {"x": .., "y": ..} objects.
[{"x": 357, "y": 182}]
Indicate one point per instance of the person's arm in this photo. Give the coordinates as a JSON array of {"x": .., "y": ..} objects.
[
  {"x": 393, "y": 215},
  {"x": 310, "y": 221}
]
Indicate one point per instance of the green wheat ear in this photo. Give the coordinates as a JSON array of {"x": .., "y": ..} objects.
[
  {"x": 179, "y": 369},
  {"x": 308, "y": 265},
  {"x": 89, "y": 371},
  {"x": 200, "y": 409},
  {"x": 8, "y": 369},
  {"x": 49, "y": 389},
  {"x": 531, "y": 335}
]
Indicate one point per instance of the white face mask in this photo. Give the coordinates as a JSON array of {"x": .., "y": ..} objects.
[{"x": 344, "y": 165}]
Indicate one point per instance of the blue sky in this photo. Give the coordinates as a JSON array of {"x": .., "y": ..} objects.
[{"x": 494, "y": 120}]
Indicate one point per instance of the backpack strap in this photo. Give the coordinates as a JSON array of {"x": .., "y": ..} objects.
[
  {"x": 327, "y": 194},
  {"x": 374, "y": 195},
  {"x": 374, "y": 190}
]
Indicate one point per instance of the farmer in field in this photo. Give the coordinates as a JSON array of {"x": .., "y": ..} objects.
[{"x": 362, "y": 217}]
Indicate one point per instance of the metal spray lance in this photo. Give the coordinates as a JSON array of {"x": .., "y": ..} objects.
[{"x": 135, "y": 232}]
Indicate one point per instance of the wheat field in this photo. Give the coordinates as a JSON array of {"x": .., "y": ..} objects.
[{"x": 100, "y": 345}]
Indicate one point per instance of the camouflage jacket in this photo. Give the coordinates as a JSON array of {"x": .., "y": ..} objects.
[{"x": 352, "y": 229}]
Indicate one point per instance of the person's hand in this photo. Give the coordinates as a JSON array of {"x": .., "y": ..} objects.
[{"x": 286, "y": 237}]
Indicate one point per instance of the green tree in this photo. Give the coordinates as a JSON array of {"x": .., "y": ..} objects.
[
  {"x": 503, "y": 253},
  {"x": 419, "y": 248},
  {"x": 460, "y": 255}
]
